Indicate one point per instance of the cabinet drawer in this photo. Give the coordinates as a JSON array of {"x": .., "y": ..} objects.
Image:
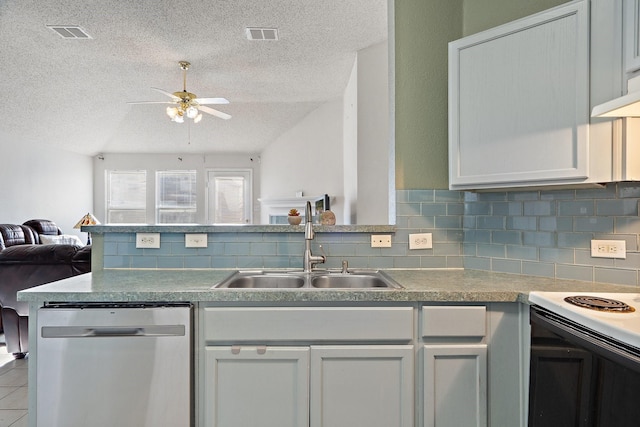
[
  {"x": 238, "y": 324},
  {"x": 444, "y": 321}
]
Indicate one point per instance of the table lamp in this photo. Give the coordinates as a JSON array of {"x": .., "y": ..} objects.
[{"x": 88, "y": 219}]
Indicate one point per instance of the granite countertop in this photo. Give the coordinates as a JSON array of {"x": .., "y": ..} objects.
[
  {"x": 196, "y": 286},
  {"x": 242, "y": 228}
]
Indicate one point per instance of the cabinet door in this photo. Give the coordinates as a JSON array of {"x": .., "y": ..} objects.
[
  {"x": 631, "y": 35},
  {"x": 519, "y": 102},
  {"x": 455, "y": 385},
  {"x": 368, "y": 386},
  {"x": 256, "y": 386}
]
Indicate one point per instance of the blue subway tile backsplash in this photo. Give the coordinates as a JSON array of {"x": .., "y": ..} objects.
[
  {"x": 540, "y": 233},
  {"x": 556, "y": 229}
]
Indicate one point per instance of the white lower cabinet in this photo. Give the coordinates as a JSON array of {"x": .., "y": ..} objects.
[
  {"x": 317, "y": 386},
  {"x": 368, "y": 386},
  {"x": 256, "y": 386},
  {"x": 274, "y": 367},
  {"x": 454, "y": 371},
  {"x": 431, "y": 365},
  {"x": 455, "y": 385}
]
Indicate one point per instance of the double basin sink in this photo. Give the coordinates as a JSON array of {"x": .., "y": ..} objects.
[{"x": 319, "y": 279}]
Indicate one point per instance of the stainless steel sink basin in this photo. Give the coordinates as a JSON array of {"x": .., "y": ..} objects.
[
  {"x": 352, "y": 281},
  {"x": 321, "y": 279},
  {"x": 262, "y": 280}
]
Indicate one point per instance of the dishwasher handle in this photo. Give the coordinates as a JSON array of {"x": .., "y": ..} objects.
[
  {"x": 112, "y": 331},
  {"x": 115, "y": 332}
]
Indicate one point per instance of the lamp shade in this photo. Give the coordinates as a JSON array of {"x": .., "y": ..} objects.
[{"x": 88, "y": 219}]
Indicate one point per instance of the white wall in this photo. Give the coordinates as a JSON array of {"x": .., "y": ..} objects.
[
  {"x": 313, "y": 149},
  {"x": 154, "y": 162},
  {"x": 350, "y": 147},
  {"x": 44, "y": 183},
  {"x": 373, "y": 135},
  {"x": 351, "y": 134}
]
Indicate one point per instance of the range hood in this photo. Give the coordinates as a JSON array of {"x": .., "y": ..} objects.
[{"x": 625, "y": 106}]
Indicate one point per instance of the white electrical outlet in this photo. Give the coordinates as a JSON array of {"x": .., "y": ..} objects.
[
  {"x": 420, "y": 241},
  {"x": 381, "y": 240},
  {"x": 609, "y": 249},
  {"x": 148, "y": 240},
  {"x": 195, "y": 240}
]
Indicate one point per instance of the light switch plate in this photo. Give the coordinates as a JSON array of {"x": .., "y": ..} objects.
[
  {"x": 195, "y": 240},
  {"x": 148, "y": 240}
]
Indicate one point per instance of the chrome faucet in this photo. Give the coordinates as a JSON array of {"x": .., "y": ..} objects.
[{"x": 309, "y": 259}]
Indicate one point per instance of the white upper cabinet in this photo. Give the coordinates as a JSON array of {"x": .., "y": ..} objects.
[
  {"x": 631, "y": 35},
  {"x": 520, "y": 97}
]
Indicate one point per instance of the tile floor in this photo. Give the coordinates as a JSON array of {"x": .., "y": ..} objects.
[{"x": 13, "y": 389}]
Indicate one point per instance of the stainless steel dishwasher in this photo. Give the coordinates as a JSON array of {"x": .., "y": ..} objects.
[{"x": 125, "y": 365}]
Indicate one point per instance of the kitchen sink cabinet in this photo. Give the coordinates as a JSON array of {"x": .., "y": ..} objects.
[
  {"x": 520, "y": 99},
  {"x": 274, "y": 366},
  {"x": 317, "y": 386}
]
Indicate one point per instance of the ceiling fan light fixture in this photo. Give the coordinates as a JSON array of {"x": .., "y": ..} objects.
[
  {"x": 187, "y": 104},
  {"x": 192, "y": 112},
  {"x": 172, "y": 112}
]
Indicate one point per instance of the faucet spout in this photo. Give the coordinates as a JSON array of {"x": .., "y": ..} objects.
[
  {"x": 309, "y": 260},
  {"x": 308, "y": 226}
]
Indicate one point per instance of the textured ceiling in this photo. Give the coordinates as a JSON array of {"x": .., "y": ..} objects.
[{"x": 73, "y": 94}]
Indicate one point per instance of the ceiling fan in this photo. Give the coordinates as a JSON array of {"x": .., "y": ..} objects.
[{"x": 187, "y": 104}]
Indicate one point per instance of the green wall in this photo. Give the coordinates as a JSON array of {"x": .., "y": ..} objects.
[
  {"x": 480, "y": 15},
  {"x": 423, "y": 29}
]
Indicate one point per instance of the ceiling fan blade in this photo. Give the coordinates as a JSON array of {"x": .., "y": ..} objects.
[
  {"x": 205, "y": 101},
  {"x": 151, "y": 102},
  {"x": 165, "y": 93},
  {"x": 213, "y": 112}
]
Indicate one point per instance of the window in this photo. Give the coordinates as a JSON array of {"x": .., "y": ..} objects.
[
  {"x": 176, "y": 197},
  {"x": 229, "y": 196},
  {"x": 126, "y": 197}
]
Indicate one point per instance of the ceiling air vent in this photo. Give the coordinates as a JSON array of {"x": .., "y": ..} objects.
[
  {"x": 255, "y": 33},
  {"x": 69, "y": 31}
]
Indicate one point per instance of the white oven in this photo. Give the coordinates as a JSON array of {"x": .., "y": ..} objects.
[{"x": 585, "y": 359}]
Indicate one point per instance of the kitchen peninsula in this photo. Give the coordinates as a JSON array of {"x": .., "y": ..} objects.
[{"x": 448, "y": 337}]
